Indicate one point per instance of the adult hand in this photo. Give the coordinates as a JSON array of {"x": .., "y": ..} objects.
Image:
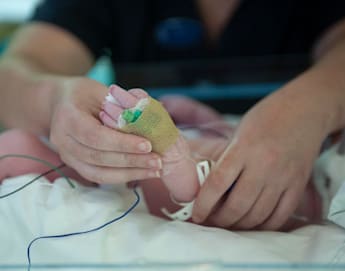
[
  {"x": 96, "y": 152},
  {"x": 267, "y": 164}
]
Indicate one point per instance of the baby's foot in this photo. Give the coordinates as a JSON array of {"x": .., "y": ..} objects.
[{"x": 178, "y": 169}]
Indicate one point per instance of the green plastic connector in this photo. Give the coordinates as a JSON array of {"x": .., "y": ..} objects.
[{"x": 130, "y": 116}]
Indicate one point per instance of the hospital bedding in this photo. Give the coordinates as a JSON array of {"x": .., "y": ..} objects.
[{"x": 141, "y": 239}]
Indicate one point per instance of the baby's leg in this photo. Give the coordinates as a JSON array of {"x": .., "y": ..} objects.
[
  {"x": 25, "y": 143},
  {"x": 179, "y": 169},
  {"x": 157, "y": 195},
  {"x": 179, "y": 174}
]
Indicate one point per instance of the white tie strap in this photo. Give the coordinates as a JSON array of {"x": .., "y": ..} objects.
[{"x": 203, "y": 170}]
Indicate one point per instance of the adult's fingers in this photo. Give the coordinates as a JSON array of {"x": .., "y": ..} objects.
[
  {"x": 110, "y": 158},
  {"x": 106, "y": 175},
  {"x": 223, "y": 175},
  {"x": 261, "y": 210},
  {"x": 239, "y": 201},
  {"x": 90, "y": 132},
  {"x": 286, "y": 206}
]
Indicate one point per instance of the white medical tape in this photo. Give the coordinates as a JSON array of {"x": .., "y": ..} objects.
[
  {"x": 110, "y": 98},
  {"x": 203, "y": 170}
]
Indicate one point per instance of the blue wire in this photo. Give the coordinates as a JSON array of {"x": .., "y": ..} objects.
[{"x": 84, "y": 232}]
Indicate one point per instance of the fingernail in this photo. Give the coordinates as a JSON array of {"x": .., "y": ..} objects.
[
  {"x": 155, "y": 163},
  {"x": 145, "y": 147},
  {"x": 154, "y": 174}
]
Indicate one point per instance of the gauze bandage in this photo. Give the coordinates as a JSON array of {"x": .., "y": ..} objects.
[{"x": 149, "y": 119}]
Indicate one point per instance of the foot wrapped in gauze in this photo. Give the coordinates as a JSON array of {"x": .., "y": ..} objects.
[
  {"x": 135, "y": 112},
  {"x": 183, "y": 169},
  {"x": 149, "y": 119}
]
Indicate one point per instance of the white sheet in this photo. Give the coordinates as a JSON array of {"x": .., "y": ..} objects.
[{"x": 48, "y": 209}]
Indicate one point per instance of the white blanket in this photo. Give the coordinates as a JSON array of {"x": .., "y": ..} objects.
[{"x": 49, "y": 209}]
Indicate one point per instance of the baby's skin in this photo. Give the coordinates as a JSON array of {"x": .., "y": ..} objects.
[
  {"x": 25, "y": 143},
  {"x": 173, "y": 180},
  {"x": 178, "y": 171},
  {"x": 179, "y": 165}
]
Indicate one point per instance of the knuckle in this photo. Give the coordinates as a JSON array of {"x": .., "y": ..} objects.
[
  {"x": 270, "y": 156},
  {"x": 136, "y": 161},
  {"x": 132, "y": 160},
  {"x": 92, "y": 139},
  {"x": 119, "y": 143},
  {"x": 126, "y": 143},
  {"x": 125, "y": 159},
  {"x": 237, "y": 208},
  {"x": 96, "y": 157}
]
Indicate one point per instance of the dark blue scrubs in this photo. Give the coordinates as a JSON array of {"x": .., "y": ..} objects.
[
  {"x": 132, "y": 29},
  {"x": 136, "y": 32}
]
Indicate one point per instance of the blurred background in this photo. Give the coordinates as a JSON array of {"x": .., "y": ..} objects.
[
  {"x": 230, "y": 86},
  {"x": 13, "y": 13}
]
